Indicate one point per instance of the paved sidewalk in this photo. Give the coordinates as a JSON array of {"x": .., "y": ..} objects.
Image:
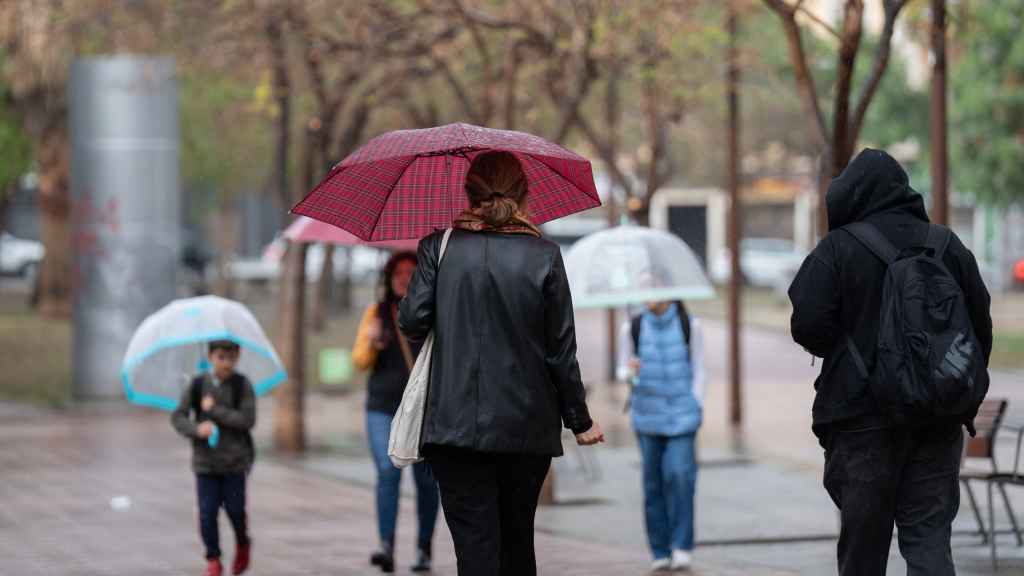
[{"x": 60, "y": 471}]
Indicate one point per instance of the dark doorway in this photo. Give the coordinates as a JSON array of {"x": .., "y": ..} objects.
[{"x": 691, "y": 224}]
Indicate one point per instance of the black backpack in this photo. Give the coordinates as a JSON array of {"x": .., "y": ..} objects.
[
  {"x": 237, "y": 389},
  {"x": 929, "y": 362},
  {"x": 684, "y": 320}
]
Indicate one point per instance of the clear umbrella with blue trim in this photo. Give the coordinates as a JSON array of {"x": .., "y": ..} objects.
[{"x": 170, "y": 347}]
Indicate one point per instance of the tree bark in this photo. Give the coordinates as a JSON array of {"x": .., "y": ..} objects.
[
  {"x": 322, "y": 297},
  {"x": 289, "y": 422},
  {"x": 289, "y": 418},
  {"x": 849, "y": 45},
  {"x": 55, "y": 285},
  {"x": 735, "y": 223},
  {"x": 939, "y": 151},
  {"x": 227, "y": 234}
]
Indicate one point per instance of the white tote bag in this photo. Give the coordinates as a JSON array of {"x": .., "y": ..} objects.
[{"x": 404, "y": 442}]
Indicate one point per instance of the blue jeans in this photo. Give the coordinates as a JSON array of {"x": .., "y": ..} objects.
[
  {"x": 389, "y": 481},
  {"x": 215, "y": 491},
  {"x": 670, "y": 484}
]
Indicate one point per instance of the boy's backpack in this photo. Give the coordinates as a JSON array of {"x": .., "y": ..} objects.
[
  {"x": 684, "y": 320},
  {"x": 237, "y": 386},
  {"x": 929, "y": 362}
]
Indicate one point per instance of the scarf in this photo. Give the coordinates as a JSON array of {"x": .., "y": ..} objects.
[{"x": 473, "y": 220}]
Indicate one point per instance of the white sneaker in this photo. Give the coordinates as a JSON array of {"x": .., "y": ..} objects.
[
  {"x": 681, "y": 560},
  {"x": 661, "y": 565}
]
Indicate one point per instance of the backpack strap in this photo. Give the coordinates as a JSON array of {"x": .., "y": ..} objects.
[
  {"x": 873, "y": 239},
  {"x": 634, "y": 331},
  {"x": 237, "y": 384},
  {"x": 938, "y": 239},
  {"x": 196, "y": 391},
  {"x": 684, "y": 321}
]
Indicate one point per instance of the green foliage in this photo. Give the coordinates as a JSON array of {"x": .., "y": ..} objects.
[
  {"x": 15, "y": 151},
  {"x": 987, "y": 105},
  {"x": 225, "y": 134}
]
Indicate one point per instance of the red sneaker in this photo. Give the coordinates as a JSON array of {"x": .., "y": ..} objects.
[
  {"x": 241, "y": 559},
  {"x": 214, "y": 568}
]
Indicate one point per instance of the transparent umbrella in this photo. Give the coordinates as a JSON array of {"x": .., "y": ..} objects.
[
  {"x": 170, "y": 346},
  {"x": 632, "y": 265}
]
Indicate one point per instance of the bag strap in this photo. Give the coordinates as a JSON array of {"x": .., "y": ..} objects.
[
  {"x": 410, "y": 361},
  {"x": 938, "y": 239},
  {"x": 873, "y": 239},
  {"x": 196, "y": 392},
  {"x": 237, "y": 389},
  {"x": 684, "y": 322},
  {"x": 858, "y": 360},
  {"x": 444, "y": 245}
]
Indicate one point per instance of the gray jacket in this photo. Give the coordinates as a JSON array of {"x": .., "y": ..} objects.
[{"x": 234, "y": 451}]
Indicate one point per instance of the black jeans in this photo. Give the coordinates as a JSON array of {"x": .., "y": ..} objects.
[
  {"x": 489, "y": 501},
  {"x": 881, "y": 475},
  {"x": 214, "y": 491}
]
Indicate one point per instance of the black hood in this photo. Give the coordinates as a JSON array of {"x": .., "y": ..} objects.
[{"x": 872, "y": 183}]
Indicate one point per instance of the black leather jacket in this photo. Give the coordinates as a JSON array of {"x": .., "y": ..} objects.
[{"x": 504, "y": 374}]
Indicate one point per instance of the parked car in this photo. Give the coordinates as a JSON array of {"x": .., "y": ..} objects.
[
  {"x": 20, "y": 257},
  {"x": 764, "y": 262},
  {"x": 366, "y": 263}
]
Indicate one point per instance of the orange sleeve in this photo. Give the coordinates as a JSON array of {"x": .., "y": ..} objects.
[{"x": 364, "y": 354}]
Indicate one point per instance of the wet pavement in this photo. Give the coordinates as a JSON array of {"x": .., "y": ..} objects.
[{"x": 106, "y": 490}]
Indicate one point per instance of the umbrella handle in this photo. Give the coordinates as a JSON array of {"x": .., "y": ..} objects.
[{"x": 214, "y": 438}]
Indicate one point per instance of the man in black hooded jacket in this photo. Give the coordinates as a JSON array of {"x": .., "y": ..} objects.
[{"x": 879, "y": 474}]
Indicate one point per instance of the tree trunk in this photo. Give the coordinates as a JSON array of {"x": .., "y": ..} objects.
[
  {"x": 289, "y": 425},
  {"x": 55, "y": 286},
  {"x": 825, "y": 175},
  {"x": 940, "y": 154},
  {"x": 227, "y": 235},
  {"x": 735, "y": 223},
  {"x": 345, "y": 293},
  {"x": 322, "y": 296}
]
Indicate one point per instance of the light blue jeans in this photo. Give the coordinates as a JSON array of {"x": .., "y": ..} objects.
[
  {"x": 389, "y": 481},
  {"x": 670, "y": 485}
]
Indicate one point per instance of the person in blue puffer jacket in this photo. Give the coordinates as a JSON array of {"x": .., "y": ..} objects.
[{"x": 662, "y": 353}]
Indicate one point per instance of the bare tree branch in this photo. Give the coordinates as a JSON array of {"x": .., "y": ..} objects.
[
  {"x": 849, "y": 46},
  {"x": 818, "y": 20},
  {"x": 798, "y": 57},
  {"x": 878, "y": 68}
]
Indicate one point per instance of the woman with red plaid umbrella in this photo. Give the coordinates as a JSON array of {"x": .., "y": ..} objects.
[{"x": 504, "y": 376}]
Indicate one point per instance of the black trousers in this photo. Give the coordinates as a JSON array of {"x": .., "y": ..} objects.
[
  {"x": 879, "y": 476},
  {"x": 489, "y": 502},
  {"x": 215, "y": 491}
]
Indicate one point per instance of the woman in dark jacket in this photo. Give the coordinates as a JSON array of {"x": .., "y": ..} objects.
[
  {"x": 381, "y": 349},
  {"x": 504, "y": 376}
]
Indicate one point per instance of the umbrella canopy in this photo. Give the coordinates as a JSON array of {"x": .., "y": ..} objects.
[
  {"x": 633, "y": 265},
  {"x": 305, "y": 229},
  {"x": 409, "y": 183},
  {"x": 170, "y": 346}
]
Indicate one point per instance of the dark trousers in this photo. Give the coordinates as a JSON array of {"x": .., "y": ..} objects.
[
  {"x": 214, "y": 491},
  {"x": 879, "y": 476},
  {"x": 489, "y": 501}
]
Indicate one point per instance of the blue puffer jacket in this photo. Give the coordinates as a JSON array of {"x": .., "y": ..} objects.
[{"x": 666, "y": 401}]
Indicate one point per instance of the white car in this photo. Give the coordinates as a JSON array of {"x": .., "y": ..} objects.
[
  {"x": 366, "y": 263},
  {"x": 19, "y": 257},
  {"x": 765, "y": 262}
]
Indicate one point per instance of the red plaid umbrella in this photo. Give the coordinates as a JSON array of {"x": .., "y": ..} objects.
[{"x": 407, "y": 183}]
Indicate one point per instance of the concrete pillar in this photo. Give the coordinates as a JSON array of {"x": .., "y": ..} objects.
[{"x": 125, "y": 188}]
